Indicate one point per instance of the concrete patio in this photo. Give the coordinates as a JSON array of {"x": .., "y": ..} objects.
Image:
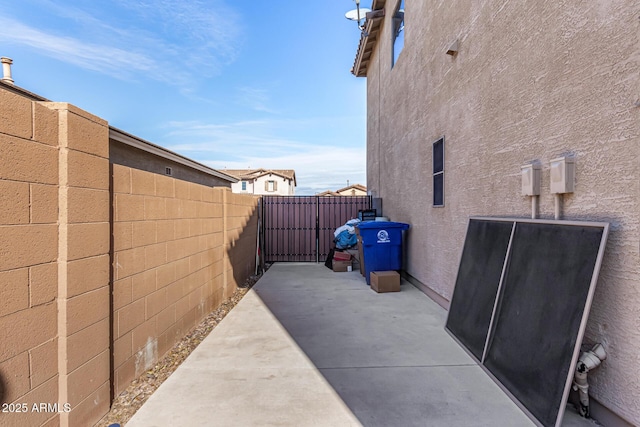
[{"x": 310, "y": 347}]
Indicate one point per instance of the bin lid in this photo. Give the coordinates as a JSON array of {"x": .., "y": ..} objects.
[{"x": 382, "y": 224}]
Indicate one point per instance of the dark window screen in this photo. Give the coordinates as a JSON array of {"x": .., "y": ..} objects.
[
  {"x": 438, "y": 172},
  {"x": 438, "y": 190},
  {"x": 438, "y": 156}
]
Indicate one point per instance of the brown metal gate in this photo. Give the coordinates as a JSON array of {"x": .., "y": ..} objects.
[{"x": 300, "y": 228}]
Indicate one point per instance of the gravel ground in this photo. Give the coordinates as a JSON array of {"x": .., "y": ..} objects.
[{"x": 129, "y": 401}]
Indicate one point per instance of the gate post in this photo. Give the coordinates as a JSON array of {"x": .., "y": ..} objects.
[{"x": 317, "y": 229}]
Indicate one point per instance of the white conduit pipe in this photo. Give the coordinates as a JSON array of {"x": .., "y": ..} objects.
[
  {"x": 588, "y": 360},
  {"x": 534, "y": 207},
  {"x": 558, "y": 205}
]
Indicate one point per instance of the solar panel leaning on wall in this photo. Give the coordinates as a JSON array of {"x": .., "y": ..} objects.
[{"x": 521, "y": 302}]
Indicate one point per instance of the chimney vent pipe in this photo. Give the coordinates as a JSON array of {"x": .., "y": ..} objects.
[{"x": 6, "y": 70}]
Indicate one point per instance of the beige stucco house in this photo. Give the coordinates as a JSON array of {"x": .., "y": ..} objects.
[
  {"x": 273, "y": 182},
  {"x": 462, "y": 94}
]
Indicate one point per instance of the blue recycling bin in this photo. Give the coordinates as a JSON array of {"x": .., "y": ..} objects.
[{"x": 381, "y": 246}]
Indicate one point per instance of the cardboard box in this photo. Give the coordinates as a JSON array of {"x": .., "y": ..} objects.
[
  {"x": 341, "y": 256},
  {"x": 354, "y": 253},
  {"x": 385, "y": 281},
  {"x": 355, "y": 257},
  {"x": 341, "y": 266}
]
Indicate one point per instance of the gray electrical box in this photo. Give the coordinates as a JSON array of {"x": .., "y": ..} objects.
[
  {"x": 531, "y": 180},
  {"x": 562, "y": 175}
]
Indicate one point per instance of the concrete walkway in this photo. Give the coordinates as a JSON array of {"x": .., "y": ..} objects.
[{"x": 309, "y": 347}]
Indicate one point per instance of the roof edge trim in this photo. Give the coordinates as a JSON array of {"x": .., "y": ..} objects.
[
  {"x": 139, "y": 143},
  {"x": 368, "y": 39}
]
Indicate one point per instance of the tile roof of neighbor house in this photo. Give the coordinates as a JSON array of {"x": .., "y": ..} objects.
[
  {"x": 337, "y": 192},
  {"x": 328, "y": 193},
  {"x": 368, "y": 38},
  {"x": 353, "y": 186},
  {"x": 247, "y": 174}
]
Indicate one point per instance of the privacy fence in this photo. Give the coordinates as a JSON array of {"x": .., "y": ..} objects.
[
  {"x": 103, "y": 267},
  {"x": 300, "y": 228}
]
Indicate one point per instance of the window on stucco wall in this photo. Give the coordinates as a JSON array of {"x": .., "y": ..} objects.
[
  {"x": 438, "y": 172},
  {"x": 271, "y": 186},
  {"x": 398, "y": 32},
  {"x": 244, "y": 185}
]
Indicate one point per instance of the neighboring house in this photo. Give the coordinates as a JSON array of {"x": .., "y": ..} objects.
[
  {"x": 466, "y": 94},
  {"x": 351, "y": 190},
  {"x": 275, "y": 182}
]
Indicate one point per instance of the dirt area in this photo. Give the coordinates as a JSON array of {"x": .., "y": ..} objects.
[{"x": 129, "y": 401}]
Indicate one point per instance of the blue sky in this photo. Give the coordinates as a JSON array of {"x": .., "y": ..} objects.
[{"x": 231, "y": 84}]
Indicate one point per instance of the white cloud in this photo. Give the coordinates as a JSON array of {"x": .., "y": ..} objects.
[
  {"x": 254, "y": 144},
  {"x": 255, "y": 98},
  {"x": 210, "y": 30},
  {"x": 317, "y": 168},
  {"x": 109, "y": 60},
  {"x": 230, "y": 139},
  {"x": 175, "y": 42}
]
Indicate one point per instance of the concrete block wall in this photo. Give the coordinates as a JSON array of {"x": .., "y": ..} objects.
[
  {"x": 171, "y": 265},
  {"x": 83, "y": 265},
  {"x": 102, "y": 267},
  {"x": 54, "y": 262},
  {"x": 28, "y": 257}
]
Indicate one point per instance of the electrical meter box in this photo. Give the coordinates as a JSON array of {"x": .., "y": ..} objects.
[
  {"x": 562, "y": 175},
  {"x": 531, "y": 180}
]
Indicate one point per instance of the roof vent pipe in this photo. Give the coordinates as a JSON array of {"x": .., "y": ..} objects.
[{"x": 6, "y": 70}]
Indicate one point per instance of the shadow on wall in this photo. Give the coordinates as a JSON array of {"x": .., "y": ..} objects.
[{"x": 242, "y": 251}]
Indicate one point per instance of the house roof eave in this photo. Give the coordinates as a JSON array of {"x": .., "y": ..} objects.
[
  {"x": 139, "y": 143},
  {"x": 353, "y": 186},
  {"x": 368, "y": 39}
]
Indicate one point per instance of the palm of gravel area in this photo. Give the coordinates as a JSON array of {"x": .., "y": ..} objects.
[{"x": 127, "y": 403}]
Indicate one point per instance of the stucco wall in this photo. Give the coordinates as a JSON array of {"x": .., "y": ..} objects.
[
  {"x": 531, "y": 81},
  {"x": 285, "y": 186},
  {"x": 236, "y": 187},
  {"x": 126, "y": 155},
  {"x": 176, "y": 258}
]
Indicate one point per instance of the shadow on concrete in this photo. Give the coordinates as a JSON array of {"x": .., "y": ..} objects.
[
  {"x": 386, "y": 355},
  {"x": 312, "y": 347}
]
